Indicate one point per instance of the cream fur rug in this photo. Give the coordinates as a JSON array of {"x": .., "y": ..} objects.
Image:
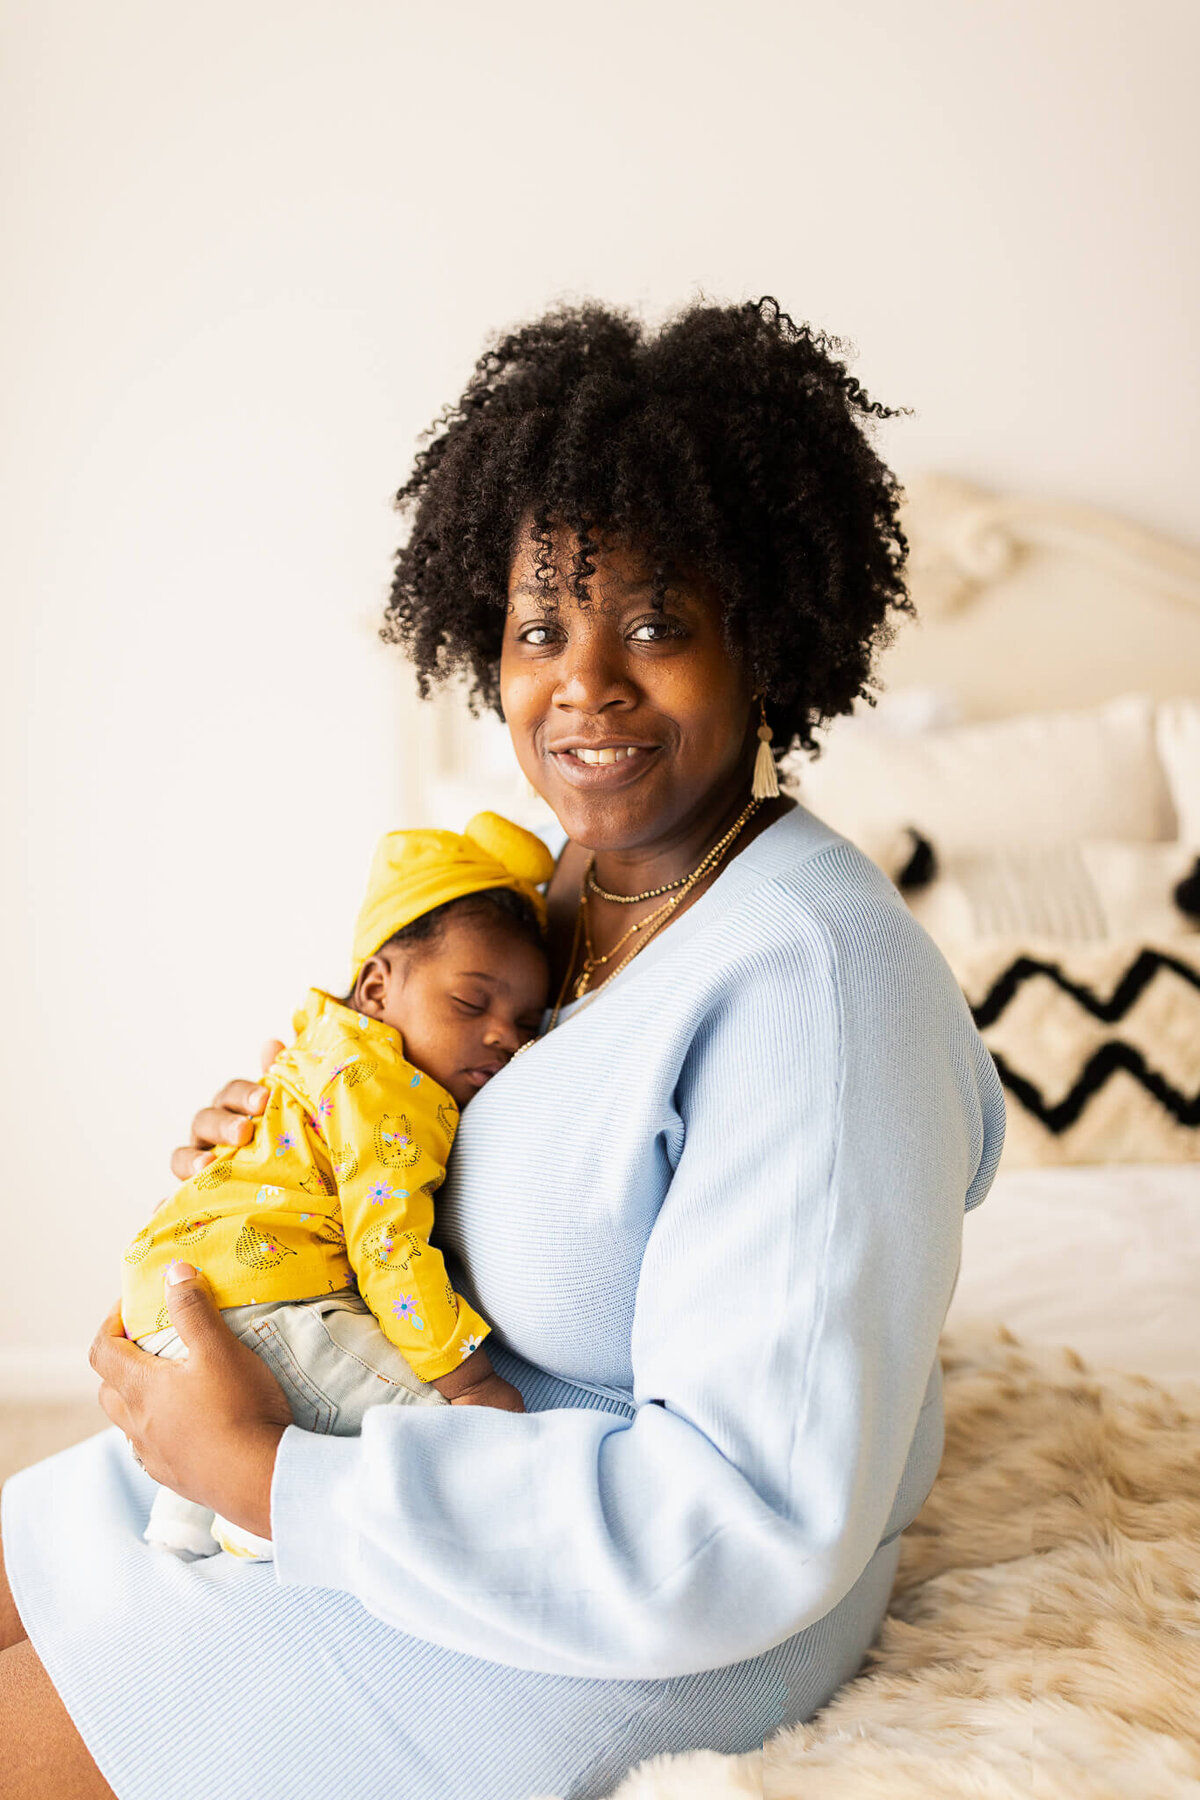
[{"x": 1044, "y": 1636}]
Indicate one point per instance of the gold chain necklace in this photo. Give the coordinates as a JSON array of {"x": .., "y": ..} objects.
[
  {"x": 650, "y": 926},
  {"x": 628, "y": 899},
  {"x": 592, "y": 962}
]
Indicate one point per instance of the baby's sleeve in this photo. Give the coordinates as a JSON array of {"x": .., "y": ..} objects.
[{"x": 389, "y": 1130}]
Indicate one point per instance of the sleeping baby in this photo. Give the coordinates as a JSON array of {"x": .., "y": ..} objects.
[{"x": 314, "y": 1236}]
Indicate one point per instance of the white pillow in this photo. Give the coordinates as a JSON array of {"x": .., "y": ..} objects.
[
  {"x": 1040, "y": 779},
  {"x": 1178, "y": 725}
]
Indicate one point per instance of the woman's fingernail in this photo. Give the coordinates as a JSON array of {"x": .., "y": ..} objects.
[
  {"x": 235, "y": 1130},
  {"x": 178, "y": 1271},
  {"x": 258, "y": 1096},
  {"x": 201, "y": 1162}
]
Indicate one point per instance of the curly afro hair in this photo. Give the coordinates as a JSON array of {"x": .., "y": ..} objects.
[{"x": 730, "y": 444}]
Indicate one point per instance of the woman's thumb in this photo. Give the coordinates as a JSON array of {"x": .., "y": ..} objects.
[{"x": 190, "y": 1305}]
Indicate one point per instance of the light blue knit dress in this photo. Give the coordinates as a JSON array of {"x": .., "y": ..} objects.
[{"x": 715, "y": 1217}]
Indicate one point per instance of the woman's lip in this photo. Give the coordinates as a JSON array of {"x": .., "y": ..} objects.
[
  {"x": 591, "y": 775},
  {"x": 594, "y": 743}
]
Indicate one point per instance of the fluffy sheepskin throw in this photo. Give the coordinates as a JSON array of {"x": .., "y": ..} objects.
[{"x": 1043, "y": 1641}]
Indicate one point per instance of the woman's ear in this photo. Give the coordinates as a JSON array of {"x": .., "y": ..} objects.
[{"x": 370, "y": 990}]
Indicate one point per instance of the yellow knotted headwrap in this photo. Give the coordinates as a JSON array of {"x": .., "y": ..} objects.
[{"x": 414, "y": 871}]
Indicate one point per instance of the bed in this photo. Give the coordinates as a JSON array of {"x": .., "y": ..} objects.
[{"x": 1032, "y": 771}]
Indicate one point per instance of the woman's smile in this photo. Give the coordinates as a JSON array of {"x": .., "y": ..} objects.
[{"x": 603, "y": 763}]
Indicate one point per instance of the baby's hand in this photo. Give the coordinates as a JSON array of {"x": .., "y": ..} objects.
[
  {"x": 476, "y": 1383},
  {"x": 493, "y": 1390}
]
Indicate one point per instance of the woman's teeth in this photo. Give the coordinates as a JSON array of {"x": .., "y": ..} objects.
[{"x": 618, "y": 754}]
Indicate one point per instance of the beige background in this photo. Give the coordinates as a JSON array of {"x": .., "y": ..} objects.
[{"x": 252, "y": 248}]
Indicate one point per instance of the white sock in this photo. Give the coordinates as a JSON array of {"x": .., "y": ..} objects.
[
  {"x": 242, "y": 1543},
  {"x": 180, "y": 1526}
]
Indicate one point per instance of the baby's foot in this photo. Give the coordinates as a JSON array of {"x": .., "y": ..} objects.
[
  {"x": 242, "y": 1543},
  {"x": 180, "y": 1526}
]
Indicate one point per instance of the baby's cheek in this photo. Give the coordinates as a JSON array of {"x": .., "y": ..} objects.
[
  {"x": 444, "y": 1064},
  {"x": 432, "y": 1049},
  {"x": 451, "y": 1054}
]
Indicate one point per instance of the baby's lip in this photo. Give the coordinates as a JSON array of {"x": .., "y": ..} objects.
[{"x": 483, "y": 1072}]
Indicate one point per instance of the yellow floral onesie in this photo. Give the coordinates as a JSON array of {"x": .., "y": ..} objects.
[{"x": 333, "y": 1191}]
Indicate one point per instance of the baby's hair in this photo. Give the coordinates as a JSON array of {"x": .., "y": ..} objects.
[
  {"x": 518, "y": 912},
  {"x": 424, "y": 932}
]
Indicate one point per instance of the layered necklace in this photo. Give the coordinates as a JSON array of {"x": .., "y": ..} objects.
[{"x": 642, "y": 930}]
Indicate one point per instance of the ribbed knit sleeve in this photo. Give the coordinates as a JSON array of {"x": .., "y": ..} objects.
[{"x": 832, "y": 1114}]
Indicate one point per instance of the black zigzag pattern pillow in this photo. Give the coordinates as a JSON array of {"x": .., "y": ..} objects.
[{"x": 1098, "y": 1047}]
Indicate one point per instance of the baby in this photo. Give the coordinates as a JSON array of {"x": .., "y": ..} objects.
[{"x": 314, "y": 1237}]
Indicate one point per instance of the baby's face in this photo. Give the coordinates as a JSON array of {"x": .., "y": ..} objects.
[{"x": 464, "y": 1002}]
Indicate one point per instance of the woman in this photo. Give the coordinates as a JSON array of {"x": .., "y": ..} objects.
[{"x": 714, "y": 1213}]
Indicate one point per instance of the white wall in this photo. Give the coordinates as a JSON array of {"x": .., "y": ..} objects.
[{"x": 251, "y": 247}]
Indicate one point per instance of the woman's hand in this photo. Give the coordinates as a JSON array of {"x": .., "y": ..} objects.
[
  {"x": 226, "y": 1121},
  {"x": 209, "y": 1427}
]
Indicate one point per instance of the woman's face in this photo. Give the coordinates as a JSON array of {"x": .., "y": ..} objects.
[{"x": 633, "y": 722}]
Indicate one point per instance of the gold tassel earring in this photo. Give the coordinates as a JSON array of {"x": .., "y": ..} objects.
[{"x": 766, "y": 776}]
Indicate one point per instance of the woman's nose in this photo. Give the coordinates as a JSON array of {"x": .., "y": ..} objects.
[{"x": 593, "y": 672}]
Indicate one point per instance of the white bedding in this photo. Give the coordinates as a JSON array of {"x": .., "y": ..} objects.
[{"x": 1103, "y": 1259}]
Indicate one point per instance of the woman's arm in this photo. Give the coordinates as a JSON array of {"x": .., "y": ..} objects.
[{"x": 786, "y": 1325}]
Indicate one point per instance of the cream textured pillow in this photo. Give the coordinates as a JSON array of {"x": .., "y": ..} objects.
[
  {"x": 1068, "y": 894},
  {"x": 1037, "y": 780}
]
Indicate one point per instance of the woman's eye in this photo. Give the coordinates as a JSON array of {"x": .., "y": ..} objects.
[
  {"x": 538, "y": 635},
  {"x": 656, "y": 631}
]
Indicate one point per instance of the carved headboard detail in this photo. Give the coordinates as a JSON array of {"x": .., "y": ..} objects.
[{"x": 1025, "y": 604}]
